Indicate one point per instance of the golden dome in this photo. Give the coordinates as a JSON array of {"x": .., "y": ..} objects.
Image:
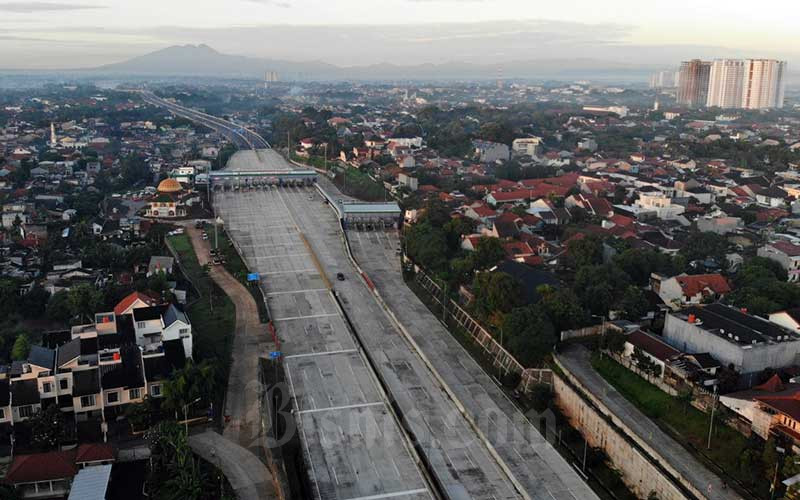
[{"x": 169, "y": 186}]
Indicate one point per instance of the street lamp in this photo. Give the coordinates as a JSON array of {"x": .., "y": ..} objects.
[{"x": 185, "y": 415}]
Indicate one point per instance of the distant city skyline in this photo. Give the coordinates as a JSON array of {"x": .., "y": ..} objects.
[{"x": 84, "y": 33}]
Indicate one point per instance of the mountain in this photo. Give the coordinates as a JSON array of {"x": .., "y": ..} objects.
[{"x": 202, "y": 60}]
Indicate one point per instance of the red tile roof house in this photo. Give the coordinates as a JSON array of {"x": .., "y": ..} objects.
[
  {"x": 684, "y": 289},
  {"x": 49, "y": 475},
  {"x": 771, "y": 408}
]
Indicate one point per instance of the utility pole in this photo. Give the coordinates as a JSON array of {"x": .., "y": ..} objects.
[
  {"x": 711, "y": 423},
  {"x": 275, "y": 399},
  {"x": 326, "y": 156}
]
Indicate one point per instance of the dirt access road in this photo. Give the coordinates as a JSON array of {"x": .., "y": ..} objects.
[{"x": 243, "y": 428}]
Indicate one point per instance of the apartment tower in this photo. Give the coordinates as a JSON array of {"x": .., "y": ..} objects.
[
  {"x": 693, "y": 83},
  {"x": 764, "y": 84},
  {"x": 726, "y": 83}
]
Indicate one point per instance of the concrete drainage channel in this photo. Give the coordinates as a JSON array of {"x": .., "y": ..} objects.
[{"x": 408, "y": 338}]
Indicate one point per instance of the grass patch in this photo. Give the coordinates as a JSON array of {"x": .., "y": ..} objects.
[
  {"x": 212, "y": 313},
  {"x": 238, "y": 269},
  {"x": 687, "y": 425}
]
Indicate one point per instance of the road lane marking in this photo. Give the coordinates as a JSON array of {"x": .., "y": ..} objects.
[
  {"x": 321, "y": 353},
  {"x": 295, "y": 271},
  {"x": 308, "y": 290},
  {"x": 344, "y": 407},
  {"x": 392, "y": 495},
  {"x": 305, "y": 317}
]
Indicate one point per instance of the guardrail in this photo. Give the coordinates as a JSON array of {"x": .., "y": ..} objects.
[{"x": 501, "y": 358}]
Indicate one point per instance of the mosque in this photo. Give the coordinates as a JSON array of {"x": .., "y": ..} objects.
[{"x": 170, "y": 200}]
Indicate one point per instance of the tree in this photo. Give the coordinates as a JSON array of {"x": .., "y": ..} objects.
[
  {"x": 22, "y": 347},
  {"x": 496, "y": 292},
  {"x": 457, "y": 227},
  {"x": 175, "y": 473},
  {"x": 634, "y": 304},
  {"x": 645, "y": 363},
  {"x": 531, "y": 336},
  {"x": 462, "y": 269},
  {"x": 701, "y": 246},
  {"x": 436, "y": 213},
  {"x": 9, "y": 297},
  {"x": 58, "y": 308},
  {"x": 47, "y": 427},
  {"x": 489, "y": 252},
  {"x": 142, "y": 415},
  {"x": 34, "y": 302},
  {"x": 83, "y": 300},
  {"x": 585, "y": 251},
  {"x": 640, "y": 264},
  {"x": 600, "y": 287},
  {"x": 501, "y": 132},
  {"x": 427, "y": 246},
  {"x": 791, "y": 468},
  {"x": 613, "y": 341},
  {"x": 194, "y": 380},
  {"x": 769, "y": 457},
  {"x": 563, "y": 308}
]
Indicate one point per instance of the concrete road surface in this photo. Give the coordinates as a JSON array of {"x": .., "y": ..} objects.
[
  {"x": 245, "y": 473},
  {"x": 353, "y": 446}
]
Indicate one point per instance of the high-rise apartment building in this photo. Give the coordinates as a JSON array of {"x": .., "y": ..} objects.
[
  {"x": 664, "y": 79},
  {"x": 764, "y": 84},
  {"x": 737, "y": 83},
  {"x": 693, "y": 83},
  {"x": 725, "y": 83}
]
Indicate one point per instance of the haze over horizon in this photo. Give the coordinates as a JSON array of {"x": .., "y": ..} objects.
[{"x": 79, "y": 34}]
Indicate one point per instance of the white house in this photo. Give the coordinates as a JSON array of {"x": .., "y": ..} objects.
[
  {"x": 530, "y": 146},
  {"x": 772, "y": 197},
  {"x": 786, "y": 254}
]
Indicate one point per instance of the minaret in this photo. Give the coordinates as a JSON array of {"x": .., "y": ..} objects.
[
  {"x": 53, "y": 141},
  {"x": 656, "y": 105}
]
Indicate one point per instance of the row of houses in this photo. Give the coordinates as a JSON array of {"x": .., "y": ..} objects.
[{"x": 94, "y": 370}]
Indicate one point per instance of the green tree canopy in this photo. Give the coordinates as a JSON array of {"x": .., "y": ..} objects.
[
  {"x": 488, "y": 253},
  {"x": 701, "y": 246},
  {"x": 529, "y": 334},
  {"x": 497, "y": 292},
  {"x": 427, "y": 245},
  {"x": 21, "y": 349},
  {"x": 600, "y": 287},
  {"x": 587, "y": 251}
]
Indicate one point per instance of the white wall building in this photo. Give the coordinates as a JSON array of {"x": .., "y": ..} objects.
[{"x": 530, "y": 146}]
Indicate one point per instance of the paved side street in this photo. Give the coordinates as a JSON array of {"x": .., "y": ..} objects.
[{"x": 577, "y": 361}]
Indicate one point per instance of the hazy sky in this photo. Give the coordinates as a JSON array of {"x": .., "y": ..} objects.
[{"x": 81, "y": 33}]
